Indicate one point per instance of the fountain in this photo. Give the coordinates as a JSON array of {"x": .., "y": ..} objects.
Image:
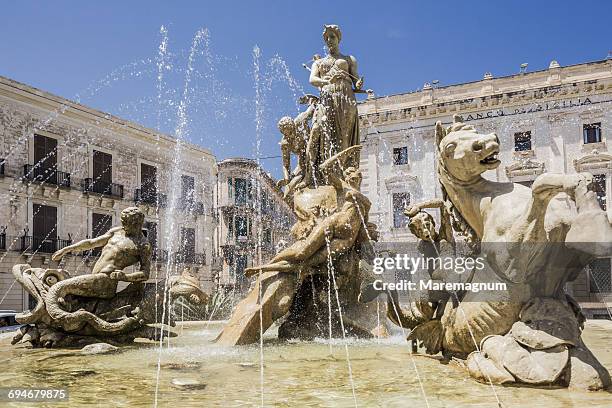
[
  {"x": 332, "y": 231},
  {"x": 314, "y": 295},
  {"x": 85, "y": 309}
]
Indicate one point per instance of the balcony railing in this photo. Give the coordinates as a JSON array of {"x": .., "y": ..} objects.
[
  {"x": 194, "y": 207},
  {"x": 159, "y": 255},
  {"x": 242, "y": 241},
  {"x": 190, "y": 258},
  {"x": 102, "y": 187},
  {"x": 200, "y": 259},
  {"x": 42, "y": 244},
  {"x": 217, "y": 262},
  {"x": 150, "y": 197},
  {"x": 46, "y": 175}
]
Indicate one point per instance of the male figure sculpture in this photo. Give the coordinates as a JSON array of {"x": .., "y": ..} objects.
[
  {"x": 77, "y": 310},
  {"x": 122, "y": 247},
  {"x": 295, "y": 138}
]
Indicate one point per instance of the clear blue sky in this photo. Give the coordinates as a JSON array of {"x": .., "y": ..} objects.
[{"x": 105, "y": 52}]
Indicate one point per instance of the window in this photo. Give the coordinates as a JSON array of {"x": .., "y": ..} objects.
[
  {"x": 600, "y": 271},
  {"x": 150, "y": 231},
  {"x": 188, "y": 189},
  {"x": 400, "y": 155},
  {"x": 599, "y": 186},
  {"x": 45, "y": 152},
  {"x": 251, "y": 189},
  {"x": 522, "y": 141},
  {"x": 44, "y": 231},
  {"x": 241, "y": 264},
  {"x": 265, "y": 202},
  {"x": 400, "y": 202},
  {"x": 267, "y": 236},
  {"x": 100, "y": 224},
  {"x": 102, "y": 167},
  {"x": 187, "y": 248},
  {"x": 230, "y": 230},
  {"x": 148, "y": 180},
  {"x": 591, "y": 133},
  {"x": 240, "y": 190},
  {"x": 241, "y": 227}
]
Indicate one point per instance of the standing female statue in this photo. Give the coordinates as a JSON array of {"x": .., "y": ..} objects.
[{"x": 335, "y": 125}]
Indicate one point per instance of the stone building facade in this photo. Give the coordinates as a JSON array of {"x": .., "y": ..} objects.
[
  {"x": 254, "y": 221},
  {"x": 68, "y": 170},
  {"x": 555, "y": 120}
]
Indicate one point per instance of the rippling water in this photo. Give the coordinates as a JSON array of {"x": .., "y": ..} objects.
[{"x": 297, "y": 374}]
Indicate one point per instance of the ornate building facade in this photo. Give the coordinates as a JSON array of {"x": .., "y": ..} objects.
[
  {"x": 254, "y": 220},
  {"x": 68, "y": 170},
  {"x": 554, "y": 120}
]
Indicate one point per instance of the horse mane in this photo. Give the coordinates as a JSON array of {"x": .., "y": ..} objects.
[{"x": 455, "y": 218}]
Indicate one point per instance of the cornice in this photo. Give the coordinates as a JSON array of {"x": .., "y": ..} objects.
[{"x": 67, "y": 109}]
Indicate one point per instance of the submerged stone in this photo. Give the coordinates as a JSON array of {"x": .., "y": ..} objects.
[
  {"x": 188, "y": 384},
  {"x": 99, "y": 348}
]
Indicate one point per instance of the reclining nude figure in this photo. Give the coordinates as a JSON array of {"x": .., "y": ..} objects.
[
  {"x": 333, "y": 236},
  {"x": 335, "y": 232}
]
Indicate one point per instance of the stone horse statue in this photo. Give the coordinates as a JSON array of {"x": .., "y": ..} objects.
[{"x": 533, "y": 242}]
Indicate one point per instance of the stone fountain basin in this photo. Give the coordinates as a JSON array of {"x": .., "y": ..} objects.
[{"x": 199, "y": 373}]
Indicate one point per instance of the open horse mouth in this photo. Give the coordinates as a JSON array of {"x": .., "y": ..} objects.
[{"x": 491, "y": 158}]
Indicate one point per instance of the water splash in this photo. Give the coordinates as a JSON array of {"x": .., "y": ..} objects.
[
  {"x": 258, "y": 136},
  {"x": 175, "y": 190}
]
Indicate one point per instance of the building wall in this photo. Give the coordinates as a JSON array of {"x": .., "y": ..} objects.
[
  {"x": 552, "y": 104},
  {"x": 272, "y": 214},
  {"x": 79, "y": 130}
]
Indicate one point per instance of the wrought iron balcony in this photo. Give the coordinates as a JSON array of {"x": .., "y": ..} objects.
[
  {"x": 42, "y": 244},
  {"x": 159, "y": 255},
  {"x": 102, "y": 187},
  {"x": 241, "y": 241},
  {"x": 194, "y": 207},
  {"x": 217, "y": 262},
  {"x": 200, "y": 259},
  {"x": 267, "y": 246},
  {"x": 46, "y": 175},
  {"x": 190, "y": 258},
  {"x": 150, "y": 197}
]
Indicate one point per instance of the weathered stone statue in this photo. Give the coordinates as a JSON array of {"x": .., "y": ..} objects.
[
  {"x": 335, "y": 124},
  {"x": 332, "y": 233},
  {"x": 187, "y": 286},
  {"x": 78, "y": 310},
  {"x": 530, "y": 334},
  {"x": 296, "y": 133}
]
